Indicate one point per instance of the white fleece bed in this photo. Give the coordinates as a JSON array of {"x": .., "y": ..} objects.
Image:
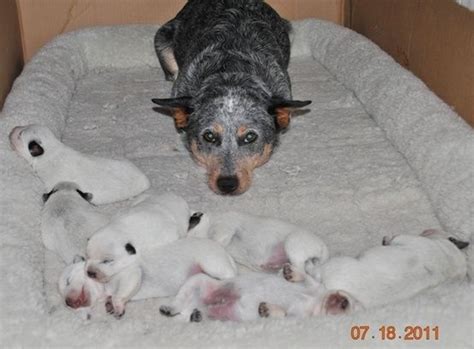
[{"x": 377, "y": 154}]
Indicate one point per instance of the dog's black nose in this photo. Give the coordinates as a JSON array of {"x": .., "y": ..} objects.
[
  {"x": 91, "y": 274},
  {"x": 227, "y": 185}
]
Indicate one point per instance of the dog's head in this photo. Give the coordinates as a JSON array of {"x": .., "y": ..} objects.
[
  {"x": 78, "y": 290},
  {"x": 108, "y": 254},
  {"x": 231, "y": 130},
  {"x": 440, "y": 234},
  {"x": 70, "y": 188},
  {"x": 33, "y": 142}
]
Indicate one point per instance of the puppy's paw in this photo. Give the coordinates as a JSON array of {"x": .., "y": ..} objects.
[
  {"x": 263, "y": 310},
  {"x": 291, "y": 275},
  {"x": 168, "y": 311},
  {"x": 109, "y": 307},
  {"x": 117, "y": 309},
  {"x": 196, "y": 316}
]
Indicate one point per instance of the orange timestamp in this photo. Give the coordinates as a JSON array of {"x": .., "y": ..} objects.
[{"x": 390, "y": 332}]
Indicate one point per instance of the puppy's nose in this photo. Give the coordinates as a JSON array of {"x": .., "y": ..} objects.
[
  {"x": 91, "y": 274},
  {"x": 73, "y": 303},
  {"x": 227, "y": 185}
]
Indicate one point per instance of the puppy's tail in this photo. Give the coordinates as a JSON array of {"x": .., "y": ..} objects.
[{"x": 199, "y": 225}]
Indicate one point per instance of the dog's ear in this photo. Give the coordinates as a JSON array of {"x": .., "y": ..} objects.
[
  {"x": 130, "y": 249},
  {"x": 86, "y": 196},
  {"x": 180, "y": 106},
  {"x": 47, "y": 195},
  {"x": 281, "y": 109},
  {"x": 459, "y": 244}
]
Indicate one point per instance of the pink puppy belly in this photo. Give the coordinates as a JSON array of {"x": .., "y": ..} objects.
[
  {"x": 277, "y": 259},
  {"x": 220, "y": 303}
]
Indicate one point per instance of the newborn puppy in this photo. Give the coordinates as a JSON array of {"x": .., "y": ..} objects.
[
  {"x": 404, "y": 266},
  {"x": 68, "y": 219},
  {"x": 253, "y": 295},
  {"x": 260, "y": 243},
  {"x": 151, "y": 222},
  {"x": 80, "y": 292},
  {"x": 160, "y": 273},
  {"x": 54, "y": 162}
]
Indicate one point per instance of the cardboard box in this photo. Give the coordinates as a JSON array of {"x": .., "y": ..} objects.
[
  {"x": 432, "y": 38},
  {"x": 41, "y": 20}
]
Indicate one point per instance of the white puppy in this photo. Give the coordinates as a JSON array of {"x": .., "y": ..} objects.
[
  {"x": 152, "y": 221},
  {"x": 404, "y": 266},
  {"x": 261, "y": 243},
  {"x": 54, "y": 162},
  {"x": 253, "y": 295},
  {"x": 68, "y": 219},
  {"x": 160, "y": 273}
]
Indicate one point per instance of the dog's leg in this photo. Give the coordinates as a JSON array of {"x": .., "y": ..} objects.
[
  {"x": 164, "y": 49},
  {"x": 185, "y": 306},
  {"x": 123, "y": 287},
  {"x": 305, "y": 250},
  {"x": 271, "y": 310}
]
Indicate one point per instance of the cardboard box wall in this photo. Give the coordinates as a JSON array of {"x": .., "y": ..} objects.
[{"x": 433, "y": 38}]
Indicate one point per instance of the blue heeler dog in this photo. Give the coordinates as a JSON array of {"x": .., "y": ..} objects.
[{"x": 231, "y": 92}]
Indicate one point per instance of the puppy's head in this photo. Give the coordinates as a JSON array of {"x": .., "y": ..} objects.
[
  {"x": 108, "y": 254},
  {"x": 77, "y": 290},
  {"x": 338, "y": 303},
  {"x": 33, "y": 142},
  {"x": 439, "y": 234},
  {"x": 68, "y": 187},
  {"x": 231, "y": 130}
]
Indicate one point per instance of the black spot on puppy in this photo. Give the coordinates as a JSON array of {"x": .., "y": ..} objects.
[
  {"x": 130, "y": 249},
  {"x": 86, "y": 196},
  {"x": 194, "y": 220},
  {"x": 460, "y": 244},
  {"x": 35, "y": 149}
]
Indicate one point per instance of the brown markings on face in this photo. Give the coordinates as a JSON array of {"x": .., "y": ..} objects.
[
  {"x": 180, "y": 117},
  {"x": 241, "y": 131},
  {"x": 283, "y": 117},
  {"x": 246, "y": 166},
  {"x": 210, "y": 162}
]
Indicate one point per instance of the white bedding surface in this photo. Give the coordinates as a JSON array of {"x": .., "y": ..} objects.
[{"x": 376, "y": 154}]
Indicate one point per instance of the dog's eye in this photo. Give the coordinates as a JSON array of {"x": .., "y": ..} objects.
[
  {"x": 107, "y": 261},
  {"x": 250, "y": 137},
  {"x": 209, "y": 137},
  {"x": 35, "y": 149}
]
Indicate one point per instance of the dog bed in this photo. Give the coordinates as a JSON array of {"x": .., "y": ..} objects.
[{"x": 377, "y": 154}]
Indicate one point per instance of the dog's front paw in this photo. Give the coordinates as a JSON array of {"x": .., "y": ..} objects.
[
  {"x": 117, "y": 309},
  {"x": 292, "y": 275},
  {"x": 167, "y": 310},
  {"x": 196, "y": 316}
]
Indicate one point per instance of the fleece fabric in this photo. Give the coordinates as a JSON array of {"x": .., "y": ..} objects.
[{"x": 375, "y": 154}]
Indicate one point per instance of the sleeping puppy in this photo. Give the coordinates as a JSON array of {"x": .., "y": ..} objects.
[
  {"x": 160, "y": 273},
  {"x": 54, "y": 162},
  {"x": 253, "y": 295},
  {"x": 68, "y": 219},
  {"x": 404, "y": 266},
  {"x": 261, "y": 243},
  {"x": 152, "y": 221}
]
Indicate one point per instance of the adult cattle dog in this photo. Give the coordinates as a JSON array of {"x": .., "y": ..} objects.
[{"x": 231, "y": 94}]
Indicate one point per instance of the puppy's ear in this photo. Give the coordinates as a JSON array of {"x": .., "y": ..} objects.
[
  {"x": 459, "y": 244},
  {"x": 194, "y": 220},
  {"x": 35, "y": 149},
  {"x": 86, "y": 196},
  {"x": 180, "y": 107},
  {"x": 130, "y": 249},
  {"x": 77, "y": 259},
  {"x": 281, "y": 109},
  {"x": 337, "y": 303},
  {"x": 47, "y": 195}
]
